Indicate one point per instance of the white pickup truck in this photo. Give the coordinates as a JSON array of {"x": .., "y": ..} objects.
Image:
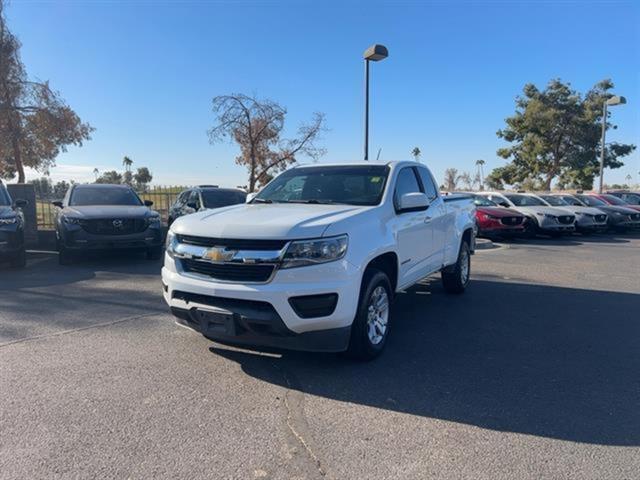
[{"x": 314, "y": 260}]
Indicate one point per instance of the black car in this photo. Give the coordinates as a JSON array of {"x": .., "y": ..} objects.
[
  {"x": 11, "y": 230},
  {"x": 105, "y": 217},
  {"x": 204, "y": 197},
  {"x": 632, "y": 198}
]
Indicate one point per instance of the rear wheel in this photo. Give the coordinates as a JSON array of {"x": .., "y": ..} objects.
[
  {"x": 455, "y": 278},
  {"x": 370, "y": 328}
]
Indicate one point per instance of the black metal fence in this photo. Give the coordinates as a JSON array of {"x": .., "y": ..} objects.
[{"x": 162, "y": 197}]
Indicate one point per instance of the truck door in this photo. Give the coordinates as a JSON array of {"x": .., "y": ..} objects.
[
  {"x": 413, "y": 232},
  {"x": 440, "y": 221}
]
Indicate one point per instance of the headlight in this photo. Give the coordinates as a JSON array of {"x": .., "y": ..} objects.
[
  {"x": 8, "y": 221},
  {"x": 313, "y": 252},
  {"x": 171, "y": 243},
  {"x": 155, "y": 220},
  {"x": 72, "y": 220},
  {"x": 549, "y": 216}
]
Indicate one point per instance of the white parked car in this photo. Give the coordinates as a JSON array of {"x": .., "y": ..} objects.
[
  {"x": 542, "y": 218},
  {"x": 314, "y": 260},
  {"x": 588, "y": 219}
]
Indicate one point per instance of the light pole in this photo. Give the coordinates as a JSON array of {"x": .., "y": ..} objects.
[
  {"x": 374, "y": 53},
  {"x": 615, "y": 100}
]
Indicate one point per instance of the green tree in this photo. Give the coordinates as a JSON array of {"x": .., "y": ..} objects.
[
  {"x": 555, "y": 133},
  {"x": 42, "y": 187},
  {"x": 35, "y": 122},
  {"x": 60, "y": 189},
  {"x": 110, "y": 177},
  {"x": 142, "y": 177}
]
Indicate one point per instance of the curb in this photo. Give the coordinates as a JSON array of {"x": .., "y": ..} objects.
[{"x": 484, "y": 244}]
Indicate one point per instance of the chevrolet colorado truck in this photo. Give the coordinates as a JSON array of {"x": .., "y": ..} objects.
[{"x": 313, "y": 261}]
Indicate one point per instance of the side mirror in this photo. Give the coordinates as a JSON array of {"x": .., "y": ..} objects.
[
  {"x": 192, "y": 205},
  {"x": 250, "y": 196},
  {"x": 57, "y": 204},
  {"x": 413, "y": 202},
  {"x": 20, "y": 203},
  {"x": 148, "y": 203}
]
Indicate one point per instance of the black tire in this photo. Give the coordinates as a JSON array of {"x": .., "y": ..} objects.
[
  {"x": 361, "y": 346},
  {"x": 20, "y": 260},
  {"x": 454, "y": 277},
  {"x": 154, "y": 253},
  {"x": 65, "y": 257},
  {"x": 530, "y": 228}
]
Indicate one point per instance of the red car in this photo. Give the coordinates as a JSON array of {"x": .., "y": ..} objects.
[
  {"x": 494, "y": 221},
  {"x": 613, "y": 200}
]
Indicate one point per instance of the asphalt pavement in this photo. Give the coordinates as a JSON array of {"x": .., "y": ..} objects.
[{"x": 532, "y": 373}]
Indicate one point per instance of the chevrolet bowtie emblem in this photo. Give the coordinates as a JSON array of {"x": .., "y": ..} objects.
[{"x": 218, "y": 254}]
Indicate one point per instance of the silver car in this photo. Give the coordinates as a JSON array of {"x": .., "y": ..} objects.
[
  {"x": 588, "y": 219},
  {"x": 542, "y": 218}
]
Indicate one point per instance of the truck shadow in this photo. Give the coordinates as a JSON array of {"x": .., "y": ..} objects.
[{"x": 546, "y": 361}]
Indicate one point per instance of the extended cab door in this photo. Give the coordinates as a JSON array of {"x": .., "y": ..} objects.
[
  {"x": 413, "y": 231},
  {"x": 440, "y": 221}
]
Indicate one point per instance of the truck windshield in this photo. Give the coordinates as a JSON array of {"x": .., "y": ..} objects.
[
  {"x": 84, "y": 196},
  {"x": 4, "y": 197},
  {"x": 222, "y": 198},
  {"x": 525, "y": 200},
  {"x": 349, "y": 184}
]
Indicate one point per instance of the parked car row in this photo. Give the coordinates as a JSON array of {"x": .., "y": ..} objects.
[
  {"x": 11, "y": 229},
  {"x": 505, "y": 214}
]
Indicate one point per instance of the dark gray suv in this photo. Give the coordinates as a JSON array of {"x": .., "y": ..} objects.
[
  {"x": 104, "y": 217},
  {"x": 11, "y": 229},
  {"x": 204, "y": 197}
]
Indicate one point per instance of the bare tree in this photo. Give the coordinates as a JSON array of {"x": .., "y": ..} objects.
[
  {"x": 467, "y": 181},
  {"x": 256, "y": 126},
  {"x": 35, "y": 122}
]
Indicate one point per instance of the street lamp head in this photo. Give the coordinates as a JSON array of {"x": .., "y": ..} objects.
[
  {"x": 616, "y": 100},
  {"x": 376, "y": 53}
]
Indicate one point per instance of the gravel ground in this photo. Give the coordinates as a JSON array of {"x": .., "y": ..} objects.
[{"x": 533, "y": 373}]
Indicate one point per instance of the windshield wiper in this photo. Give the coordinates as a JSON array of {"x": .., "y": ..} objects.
[{"x": 261, "y": 200}]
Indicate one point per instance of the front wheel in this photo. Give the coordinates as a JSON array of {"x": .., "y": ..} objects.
[
  {"x": 455, "y": 278},
  {"x": 370, "y": 328}
]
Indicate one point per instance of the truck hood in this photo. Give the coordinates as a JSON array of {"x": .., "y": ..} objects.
[
  {"x": 107, "y": 211},
  {"x": 267, "y": 221}
]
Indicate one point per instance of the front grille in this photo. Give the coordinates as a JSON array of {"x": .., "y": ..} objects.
[
  {"x": 114, "y": 226},
  {"x": 565, "y": 219},
  {"x": 511, "y": 220},
  {"x": 232, "y": 244},
  {"x": 600, "y": 218},
  {"x": 230, "y": 272}
]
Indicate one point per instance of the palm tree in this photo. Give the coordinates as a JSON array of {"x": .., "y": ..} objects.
[
  {"x": 416, "y": 153},
  {"x": 479, "y": 164},
  {"x": 629, "y": 178},
  {"x": 96, "y": 172},
  {"x": 127, "y": 162}
]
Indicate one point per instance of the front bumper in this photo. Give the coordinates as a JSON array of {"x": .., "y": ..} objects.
[
  {"x": 548, "y": 225},
  {"x": 76, "y": 239},
  {"x": 261, "y": 314}
]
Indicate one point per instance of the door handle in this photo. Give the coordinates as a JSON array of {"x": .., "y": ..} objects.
[{"x": 427, "y": 219}]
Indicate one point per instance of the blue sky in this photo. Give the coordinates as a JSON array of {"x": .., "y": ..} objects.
[{"x": 143, "y": 74}]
